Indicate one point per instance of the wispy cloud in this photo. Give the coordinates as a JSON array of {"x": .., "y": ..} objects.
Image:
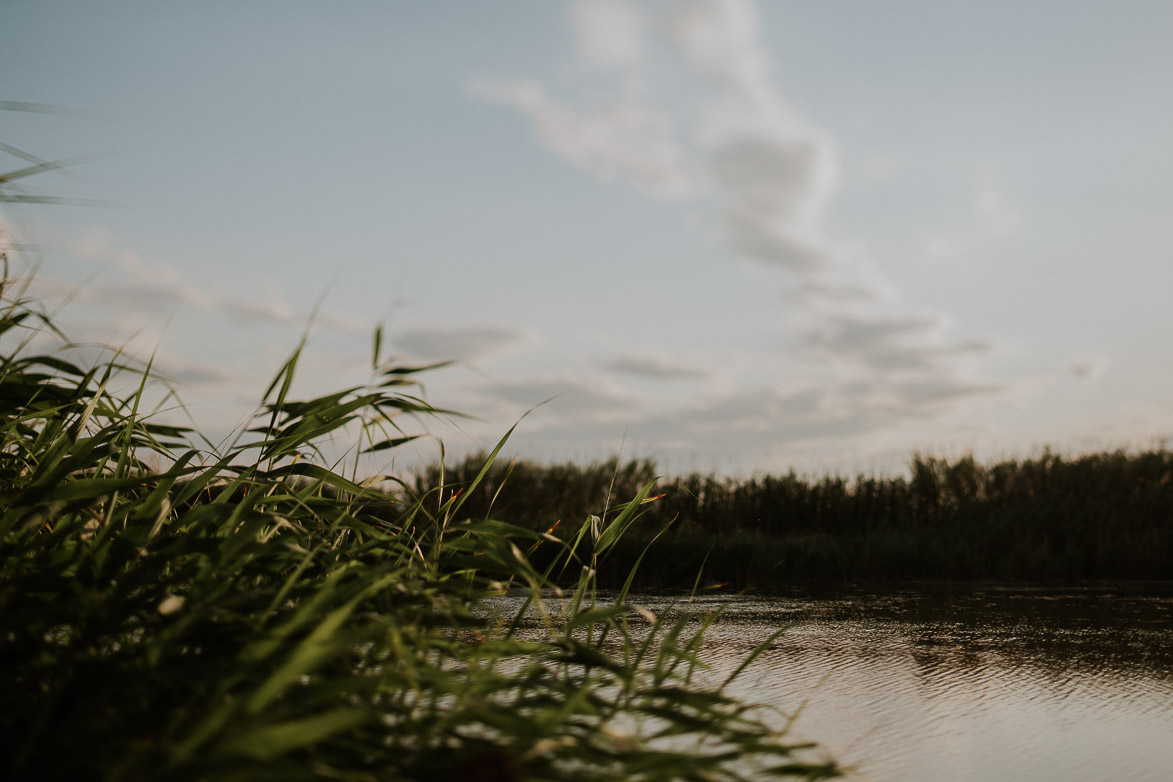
[
  {"x": 923, "y": 396},
  {"x": 258, "y": 310},
  {"x": 992, "y": 215},
  {"x": 189, "y": 372},
  {"x": 655, "y": 368},
  {"x": 582, "y": 400},
  {"x": 750, "y": 421},
  {"x": 721, "y": 39},
  {"x": 622, "y": 139},
  {"x": 1088, "y": 367},
  {"x": 771, "y": 173},
  {"x": 457, "y": 343},
  {"x": 610, "y": 33},
  {"x": 890, "y": 342},
  {"x": 156, "y": 287},
  {"x": 769, "y": 184}
]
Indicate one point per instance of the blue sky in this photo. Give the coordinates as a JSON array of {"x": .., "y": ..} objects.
[{"x": 729, "y": 236}]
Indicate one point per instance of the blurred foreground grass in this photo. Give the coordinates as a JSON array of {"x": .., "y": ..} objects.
[{"x": 171, "y": 610}]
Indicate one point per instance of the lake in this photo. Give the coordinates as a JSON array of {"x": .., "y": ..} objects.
[{"x": 962, "y": 682}]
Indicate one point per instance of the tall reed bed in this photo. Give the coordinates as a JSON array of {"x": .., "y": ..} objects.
[
  {"x": 1096, "y": 516},
  {"x": 182, "y": 612}
]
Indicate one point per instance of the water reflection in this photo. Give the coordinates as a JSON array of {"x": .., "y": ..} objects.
[{"x": 964, "y": 684}]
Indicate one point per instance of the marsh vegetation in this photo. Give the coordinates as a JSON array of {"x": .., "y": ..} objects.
[
  {"x": 170, "y": 609},
  {"x": 1102, "y": 516}
]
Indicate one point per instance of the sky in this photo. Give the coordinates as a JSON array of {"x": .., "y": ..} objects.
[{"x": 728, "y": 236}]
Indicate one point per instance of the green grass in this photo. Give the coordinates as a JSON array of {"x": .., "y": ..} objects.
[{"x": 172, "y": 610}]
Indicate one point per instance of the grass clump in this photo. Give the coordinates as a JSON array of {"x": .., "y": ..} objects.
[{"x": 173, "y": 610}]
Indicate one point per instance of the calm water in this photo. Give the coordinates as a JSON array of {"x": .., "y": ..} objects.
[{"x": 964, "y": 683}]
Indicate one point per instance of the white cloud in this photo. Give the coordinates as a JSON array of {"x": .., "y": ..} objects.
[
  {"x": 762, "y": 237},
  {"x": 623, "y": 140},
  {"x": 774, "y": 176},
  {"x": 750, "y": 421},
  {"x": 919, "y": 394},
  {"x": 833, "y": 292},
  {"x": 580, "y": 400},
  {"x": 585, "y": 414},
  {"x": 771, "y": 174},
  {"x": 144, "y": 284},
  {"x": 155, "y": 287},
  {"x": 655, "y": 368},
  {"x": 196, "y": 373},
  {"x": 992, "y": 207},
  {"x": 457, "y": 343},
  {"x": 771, "y": 187},
  {"x": 259, "y": 310},
  {"x": 939, "y": 249},
  {"x": 720, "y": 39},
  {"x": 890, "y": 342},
  {"x": 991, "y": 217},
  {"x": 609, "y": 33},
  {"x": 1088, "y": 368}
]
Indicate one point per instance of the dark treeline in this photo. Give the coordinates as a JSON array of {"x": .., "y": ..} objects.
[{"x": 1098, "y": 516}]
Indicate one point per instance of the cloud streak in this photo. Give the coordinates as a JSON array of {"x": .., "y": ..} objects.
[
  {"x": 457, "y": 343},
  {"x": 609, "y": 33},
  {"x": 157, "y": 288},
  {"x": 620, "y": 140},
  {"x": 720, "y": 39},
  {"x": 578, "y": 399},
  {"x": 869, "y": 362},
  {"x": 654, "y": 368},
  {"x": 892, "y": 342}
]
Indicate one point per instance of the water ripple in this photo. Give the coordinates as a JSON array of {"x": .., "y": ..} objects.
[{"x": 964, "y": 685}]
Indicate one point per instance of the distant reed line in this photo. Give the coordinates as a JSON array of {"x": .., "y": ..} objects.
[{"x": 1095, "y": 516}]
